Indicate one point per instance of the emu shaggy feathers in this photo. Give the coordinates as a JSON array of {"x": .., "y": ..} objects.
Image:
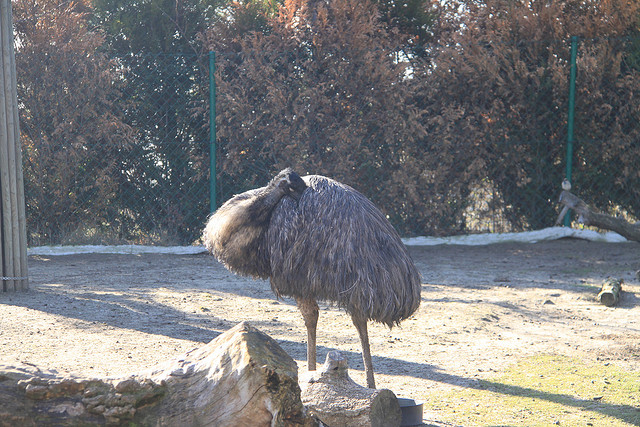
[
  {"x": 318, "y": 239},
  {"x": 322, "y": 241},
  {"x": 236, "y": 232},
  {"x": 335, "y": 245}
]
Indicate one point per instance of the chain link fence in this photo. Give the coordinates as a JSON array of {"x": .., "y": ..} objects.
[
  {"x": 117, "y": 164},
  {"x": 470, "y": 147},
  {"x": 606, "y": 153}
]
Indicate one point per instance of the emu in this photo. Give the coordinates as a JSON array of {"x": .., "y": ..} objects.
[{"x": 317, "y": 239}]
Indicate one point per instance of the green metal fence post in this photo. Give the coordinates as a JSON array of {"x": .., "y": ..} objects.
[
  {"x": 571, "y": 112},
  {"x": 212, "y": 131}
]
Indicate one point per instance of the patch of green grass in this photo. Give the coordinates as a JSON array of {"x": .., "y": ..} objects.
[{"x": 547, "y": 390}]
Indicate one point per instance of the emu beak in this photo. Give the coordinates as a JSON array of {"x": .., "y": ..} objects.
[{"x": 297, "y": 186}]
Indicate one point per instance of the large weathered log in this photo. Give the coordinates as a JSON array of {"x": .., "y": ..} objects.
[
  {"x": 243, "y": 377},
  {"x": 609, "y": 294},
  {"x": 589, "y": 216},
  {"x": 337, "y": 401}
]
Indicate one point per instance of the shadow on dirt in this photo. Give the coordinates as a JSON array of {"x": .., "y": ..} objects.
[
  {"x": 155, "y": 318},
  {"x": 425, "y": 371},
  {"x": 113, "y": 291}
]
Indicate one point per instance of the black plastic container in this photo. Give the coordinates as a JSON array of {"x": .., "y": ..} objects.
[{"x": 411, "y": 412}]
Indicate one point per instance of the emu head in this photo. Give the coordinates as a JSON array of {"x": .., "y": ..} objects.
[{"x": 288, "y": 183}]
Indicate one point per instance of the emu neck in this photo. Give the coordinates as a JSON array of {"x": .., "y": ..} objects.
[
  {"x": 271, "y": 197},
  {"x": 266, "y": 201}
]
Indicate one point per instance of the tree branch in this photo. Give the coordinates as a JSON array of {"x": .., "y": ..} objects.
[{"x": 590, "y": 216}]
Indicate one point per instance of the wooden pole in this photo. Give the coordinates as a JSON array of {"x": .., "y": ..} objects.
[
  {"x": 14, "y": 270},
  {"x": 5, "y": 190},
  {"x": 21, "y": 214},
  {"x": 21, "y": 205}
]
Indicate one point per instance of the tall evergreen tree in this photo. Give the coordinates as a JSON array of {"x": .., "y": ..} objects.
[{"x": 156, "y": 41}]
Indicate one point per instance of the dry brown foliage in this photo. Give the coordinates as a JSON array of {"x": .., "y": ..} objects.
[
  {"x": 326, "y": 92},
  {"x": 477, "y": 123},
  {"x": 465, "y": 131},
  {"x": 71, "y": 132},
  {"x": 499, "y": 89}
]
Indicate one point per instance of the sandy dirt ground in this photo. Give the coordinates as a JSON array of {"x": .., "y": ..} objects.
[{"x": 483, "y": 308}]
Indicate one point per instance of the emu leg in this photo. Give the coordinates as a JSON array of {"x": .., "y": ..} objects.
[
  {"x": 309, "y": 310},
  {"x": 361, "y": 326}
]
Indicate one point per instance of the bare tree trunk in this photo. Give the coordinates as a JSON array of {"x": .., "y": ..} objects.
[
  {"x": 243, "y": 377},
  {"x": 589, "y": 216}
]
